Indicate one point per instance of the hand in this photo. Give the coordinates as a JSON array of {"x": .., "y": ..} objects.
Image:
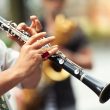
[
  {"x": 34, "y": 28},
  {"x": 30, "y": 60}
]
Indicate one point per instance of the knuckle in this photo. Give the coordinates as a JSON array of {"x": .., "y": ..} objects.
[
  {"x": 21, "y": 25},
  {"x": 43, "y": 41},
  {"x": 33, "y": 37},
  {"x": 40, "y": 57},
  {"x": 47, "y": 40},
  {"x": 37, "y": 58},
  {"x": 31, "y": 54},
  {"x": 26, "y": 47},
  {"x": 40, "y": 42},
  {"x": 41, "y": 51}
]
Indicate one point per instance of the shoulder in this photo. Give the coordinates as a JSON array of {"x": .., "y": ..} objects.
[
  {"x": 2, "y": 52},
  {"x": 2, "y": 45},
  {"x": 3, "y": 48}
]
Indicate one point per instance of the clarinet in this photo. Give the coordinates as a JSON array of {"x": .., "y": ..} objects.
[{"x": 101, "y": 89}]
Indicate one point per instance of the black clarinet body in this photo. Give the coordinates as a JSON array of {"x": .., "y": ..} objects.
[{"x": 100, "y": 88}]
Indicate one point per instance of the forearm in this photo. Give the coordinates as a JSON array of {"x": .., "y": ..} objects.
[
  {"x": 8, "y": 79},
  {"x": 83, "y": 60}
]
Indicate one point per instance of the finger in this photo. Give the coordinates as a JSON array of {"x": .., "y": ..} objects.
[
  {"x": 47, "y": 54},
  {"x": 53, "y": 51},
  {"x": 43, "y": 50},
  {"x": 38, "y": 26},
  {"x": 36, "y": 37},
  {"x": 35, "y": 23},
  {"x": 12, "y": 37},
  {"x": 26, "y": 28},
  {"x": 43, "y": 42},
  {"x": 33, "y": 19},
  {"x": 21, "y": 26},
  {"x": 16, "y": 39}
]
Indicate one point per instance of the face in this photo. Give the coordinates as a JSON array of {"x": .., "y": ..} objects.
[{"x": 53, "y": 6}]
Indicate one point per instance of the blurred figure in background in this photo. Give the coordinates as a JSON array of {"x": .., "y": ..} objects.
[
  {"x": 74, "y": 44},
  {"x": 60, "y": 95}
]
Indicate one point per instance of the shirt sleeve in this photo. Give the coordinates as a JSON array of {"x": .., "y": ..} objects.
[
  {"x": 11, "y": 57},
  {"x": 77, "y": 41},
  {"x": 8, "y": 56}
]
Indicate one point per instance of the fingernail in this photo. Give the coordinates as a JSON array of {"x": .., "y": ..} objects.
[
  {"x": 55, "y": 46},
  {"x": 36, "y": 20},
  {"x": 43, "y": 32},
  {"x": 23, "y": 23},
  {"x": 33, "y": 17},
  {"x": 53, "y": 37}
]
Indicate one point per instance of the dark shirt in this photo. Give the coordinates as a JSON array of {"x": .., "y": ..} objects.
[
  {"x": 63, "y": 91},
  {"x": 78, "y": 41}
]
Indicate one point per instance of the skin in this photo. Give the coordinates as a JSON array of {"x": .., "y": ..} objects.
[{"x": 31, "y": 51}]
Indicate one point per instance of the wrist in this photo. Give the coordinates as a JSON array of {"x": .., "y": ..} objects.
[
  {"x": 8, "y": 79},
  {"x": 15, "y": 73}
]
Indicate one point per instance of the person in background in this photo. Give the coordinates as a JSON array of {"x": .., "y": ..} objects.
[
  {"x": 60, "y": 96},
  {"x": 14, "y": 68}
]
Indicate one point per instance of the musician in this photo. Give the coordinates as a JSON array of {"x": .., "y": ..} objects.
[
  {"x": 60, "y": 96},
  {"x": 21, "y": 68}
]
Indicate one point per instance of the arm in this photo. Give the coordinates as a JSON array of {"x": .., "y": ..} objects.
[
  {"x": 28, "y": 64},
  {"x": 78, "y": 49},
  {"x": 82, "y": 57},
  {"x": 31, "y": 51},
  {"x": 8, "y": 79}
]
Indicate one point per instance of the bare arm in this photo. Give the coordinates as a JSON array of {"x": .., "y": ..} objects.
[
  {"x": 83, "y": 57},
  {"x": 28, "y": 63},
  {"x": 8, "y": 79}
]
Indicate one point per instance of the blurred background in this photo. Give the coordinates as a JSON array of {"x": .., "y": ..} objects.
[{"x": 93, "y": 16}]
